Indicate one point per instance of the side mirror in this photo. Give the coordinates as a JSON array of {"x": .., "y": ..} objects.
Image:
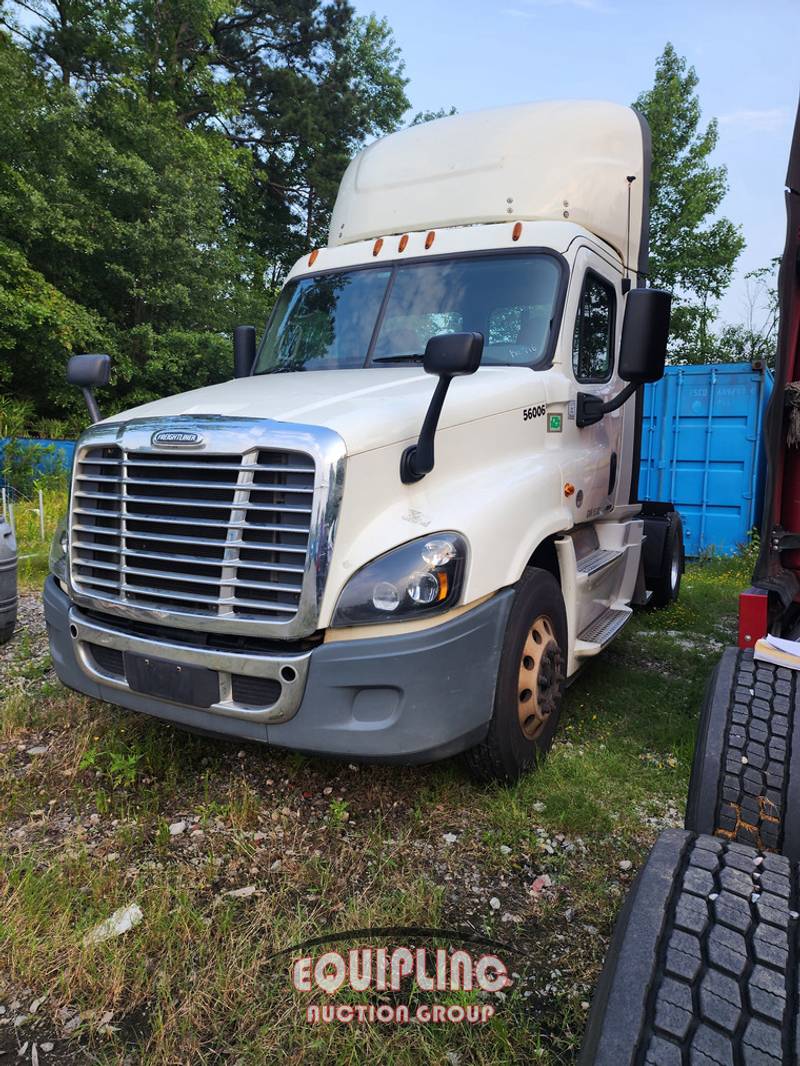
[
  {"x": 645, "y": 332},
  {"x": 244, "y": 350},
  {"x": 447, "y": 355},
  {"x": 642, "y": 352},
  {"x": 453, "y": 354},
  {"x": 89, "y": 372}
]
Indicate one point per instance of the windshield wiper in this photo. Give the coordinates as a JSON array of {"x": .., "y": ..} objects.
[{"x": 405, "y": 357}]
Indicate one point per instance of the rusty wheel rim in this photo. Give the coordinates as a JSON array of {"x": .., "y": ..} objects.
[{"x": 539, "y": 679}]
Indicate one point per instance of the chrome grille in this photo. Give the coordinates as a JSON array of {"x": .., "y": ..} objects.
[{"x": 209, "y": 535}]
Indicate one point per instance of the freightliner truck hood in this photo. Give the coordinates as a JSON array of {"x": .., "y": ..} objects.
[{"x": 368, "y": 408}]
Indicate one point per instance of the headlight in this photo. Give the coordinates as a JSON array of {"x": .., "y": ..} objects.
[
  {"x": 422, "y": 577},
  {"x": 58, "y": 551}
]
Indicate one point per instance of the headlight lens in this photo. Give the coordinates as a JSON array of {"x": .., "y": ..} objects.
[
  {"x": 422, "y": 577},
  {"x": 58, "y": 551}
]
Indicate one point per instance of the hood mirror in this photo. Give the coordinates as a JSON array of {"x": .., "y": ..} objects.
[
  {"x": 448, "y": 355},
  {"x": 244, "y": 350},
  {"x": 89, "y": 372}
]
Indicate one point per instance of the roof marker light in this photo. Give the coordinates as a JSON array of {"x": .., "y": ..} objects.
[
  {"x": 403, "y": 242},
  {"x": 377, "y": 246},
  {"x": 313, "y": 257},
  {"x": 430, "y": 238},
  {"x": 516, "y": 233}
]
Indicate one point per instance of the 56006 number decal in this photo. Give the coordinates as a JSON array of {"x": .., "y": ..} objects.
[{"x": 534, "y": 412}]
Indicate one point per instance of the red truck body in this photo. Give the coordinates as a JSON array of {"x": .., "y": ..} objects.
[{"x": 772, "y": 604}]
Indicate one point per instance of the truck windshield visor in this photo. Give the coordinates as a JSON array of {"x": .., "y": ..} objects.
[{"x": 383, "y": 316}]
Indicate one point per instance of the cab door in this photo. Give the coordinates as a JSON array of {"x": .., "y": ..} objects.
[{"x": 596, "y": 325}]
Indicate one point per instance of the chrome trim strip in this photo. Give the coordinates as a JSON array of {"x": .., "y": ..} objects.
[
  {"x": 84, "y": 630},
  {"x": 286, "y": 567},
  {"x": 202, "y": 542},
  {"x": 158, "y": 501},
  {"x": 182, "y": 522},
  {"x": 242, "y": 439},
  {"x": 224, "y": 486}
]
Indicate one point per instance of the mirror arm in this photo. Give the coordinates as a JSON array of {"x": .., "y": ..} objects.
[
  {"x": 91, "y": 404},
  {"x": 417, "y": 460},
  {"x": 591, "y": 408}
]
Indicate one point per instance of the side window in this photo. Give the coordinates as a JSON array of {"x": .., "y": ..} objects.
[{"x": 593, "y": 340}]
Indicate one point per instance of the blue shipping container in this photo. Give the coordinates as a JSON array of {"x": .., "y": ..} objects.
[
  {"x": 702, "y": 449},
  {"x": 63, "y": 452}
]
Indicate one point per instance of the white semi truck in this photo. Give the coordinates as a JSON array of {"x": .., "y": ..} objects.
[{"x": 412, "y": 516}]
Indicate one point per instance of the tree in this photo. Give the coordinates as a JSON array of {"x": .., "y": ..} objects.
[
  {"x": 754, "y": 340},
  {"x": 430, "y": 116},
  {"x": 316, "y": 82},
  {"x": 692, "y": 252},
  {"x": 164, "y": 161}
]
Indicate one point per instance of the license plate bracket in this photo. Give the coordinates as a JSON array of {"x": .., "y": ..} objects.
[{"x": 195, "y": 686}]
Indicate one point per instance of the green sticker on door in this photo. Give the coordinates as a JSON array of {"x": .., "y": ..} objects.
[{"x": 554, "y": 423}]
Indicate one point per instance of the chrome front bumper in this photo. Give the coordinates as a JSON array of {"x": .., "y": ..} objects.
[{"x": 289, "y": 671}]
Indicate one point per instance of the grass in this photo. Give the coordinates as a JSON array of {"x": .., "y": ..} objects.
[
  {"x": 85, "y": 828},
  {"x": 33, "y": 548}
]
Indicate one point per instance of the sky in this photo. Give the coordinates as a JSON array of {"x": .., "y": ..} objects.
[{"x": 472, "y": 54}]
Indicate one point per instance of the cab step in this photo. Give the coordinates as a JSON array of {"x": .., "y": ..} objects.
[
  {"x": 598, "y": 560},
  {"x": 601, "y": 631}
]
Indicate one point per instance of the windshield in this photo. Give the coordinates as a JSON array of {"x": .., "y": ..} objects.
[{"x": 385, "y": 315}]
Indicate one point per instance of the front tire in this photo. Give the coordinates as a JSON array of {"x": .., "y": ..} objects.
[{"x": 530, "y": 682}]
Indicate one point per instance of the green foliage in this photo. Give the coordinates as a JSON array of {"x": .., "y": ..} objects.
[
  {"x": 27, "y": 467},
  {"x": 692, "y": 252},
  {"x": 118, "y": 765},
  {"x": 756, "y": 338},
  {"x": 163, "y": 164},
  {"x": 430, "y": 116},
  {"x": 15, "y": 417}
]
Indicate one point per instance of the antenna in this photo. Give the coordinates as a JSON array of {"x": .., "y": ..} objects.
[{"x": 626, "y": 281}]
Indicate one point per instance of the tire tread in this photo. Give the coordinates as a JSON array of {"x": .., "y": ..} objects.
[
  {"x": 724, "y": 983},
  {"x": 743, "y": 793}
]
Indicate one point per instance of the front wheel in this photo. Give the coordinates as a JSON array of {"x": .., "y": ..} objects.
[{"x": 530, "y": 682}]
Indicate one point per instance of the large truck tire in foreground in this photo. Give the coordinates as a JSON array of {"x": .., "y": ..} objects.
[
  {"x": 746, "y": 776},
  {"x": 703, "y": 965},
  {"x": 337, "y": 554},
  {"x": 745, "y": 783}
]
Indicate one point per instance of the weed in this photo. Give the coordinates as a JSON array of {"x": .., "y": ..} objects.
[{"x": 338, "y": 812}]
